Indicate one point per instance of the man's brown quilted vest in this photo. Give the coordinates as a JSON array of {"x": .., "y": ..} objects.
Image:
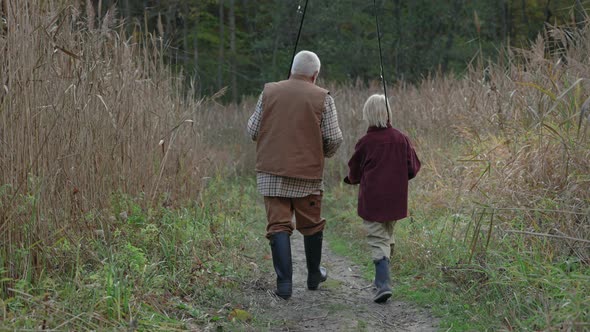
[{"x": 290, "y": 142}]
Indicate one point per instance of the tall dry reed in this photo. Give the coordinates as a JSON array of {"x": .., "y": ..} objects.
[{"x": 86, "y": 112}]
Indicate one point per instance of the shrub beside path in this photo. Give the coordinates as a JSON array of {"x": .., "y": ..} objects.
[{"x": 343, "y": 302}]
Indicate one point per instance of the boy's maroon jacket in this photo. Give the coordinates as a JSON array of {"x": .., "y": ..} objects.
[{"x": 383, "y": 162}]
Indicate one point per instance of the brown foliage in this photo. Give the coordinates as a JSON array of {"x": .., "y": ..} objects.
[
  {"x": 85, "y": 114},
  {"x": 88, "y": 112}
]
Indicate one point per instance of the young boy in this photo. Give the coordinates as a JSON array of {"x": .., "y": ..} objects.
[{"x": 383, "y": 162}]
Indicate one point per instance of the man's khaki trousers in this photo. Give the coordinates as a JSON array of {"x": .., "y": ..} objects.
[{"x": 307, "y": 212}]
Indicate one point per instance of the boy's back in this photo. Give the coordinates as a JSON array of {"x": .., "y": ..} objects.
[{"x": 383, "y": 162}]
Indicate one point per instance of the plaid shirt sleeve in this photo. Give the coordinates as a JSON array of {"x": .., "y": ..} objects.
[
  {"x": 331, "y": 134},
  {"x": 254, "y": 121}
]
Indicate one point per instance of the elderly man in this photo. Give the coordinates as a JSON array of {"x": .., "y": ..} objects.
[{"x": 295, "y": 126}]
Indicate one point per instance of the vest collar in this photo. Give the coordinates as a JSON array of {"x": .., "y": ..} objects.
[{"x": 300, "y": 77}]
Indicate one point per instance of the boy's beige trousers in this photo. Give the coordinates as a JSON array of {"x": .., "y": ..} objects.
[{"x": 380, "y": 238}]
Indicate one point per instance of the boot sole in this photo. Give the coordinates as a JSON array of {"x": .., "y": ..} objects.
[
  {"x": 382, "y": 297},
  {"x": 283, "y": 296},
  {"x": 322, "y": 279},
  {"x": 315, "y": 287}
]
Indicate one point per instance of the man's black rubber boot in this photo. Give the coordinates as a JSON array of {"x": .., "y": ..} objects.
[
  {"x": 281, "y": 259},
  {"x": 313, "y": 256},
  {"x": 382, "y": 280}
]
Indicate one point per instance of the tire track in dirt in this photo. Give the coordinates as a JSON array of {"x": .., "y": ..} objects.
[{"x": 343, "y": 302}]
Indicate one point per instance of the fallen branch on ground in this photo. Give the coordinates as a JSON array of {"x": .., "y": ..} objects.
[{"x": 564, "y": 237}]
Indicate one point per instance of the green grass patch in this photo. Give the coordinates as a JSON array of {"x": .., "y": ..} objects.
[
  {"x": 468, "y": 276},
  {"x": 166, "y": 269},
  {"x": 148, "y": 268}
]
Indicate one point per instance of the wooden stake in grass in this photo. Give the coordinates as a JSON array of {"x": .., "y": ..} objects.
[
  {"x": 172, "y": 133},
  {"x": 90, "y": 15},
  {"x": 585, "y": 109},
  {"x": 475, "y": 237}
]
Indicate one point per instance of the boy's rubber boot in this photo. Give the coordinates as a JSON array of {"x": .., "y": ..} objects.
[
  {"x": 382, "y": 280},
  {"x": 280, "y": 245},
  {"x": 313, "y": 256}
]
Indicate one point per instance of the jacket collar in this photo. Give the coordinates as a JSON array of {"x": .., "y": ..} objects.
[{"x": 375, "y": 128}]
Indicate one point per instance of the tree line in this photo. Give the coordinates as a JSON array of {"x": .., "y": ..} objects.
[{"x": 240, "y": 44}]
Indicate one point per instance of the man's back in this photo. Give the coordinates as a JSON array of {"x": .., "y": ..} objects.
[{"x": 290, "y": 138}]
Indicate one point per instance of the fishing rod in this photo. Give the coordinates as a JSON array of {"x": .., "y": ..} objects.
[
  {"x": 298, "y": 35},
  {"x": 380, "y": 51},
  {"x": 381, "y": 59}
]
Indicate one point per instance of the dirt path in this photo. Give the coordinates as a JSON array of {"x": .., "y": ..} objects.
[{"x": 343, "y": 303}]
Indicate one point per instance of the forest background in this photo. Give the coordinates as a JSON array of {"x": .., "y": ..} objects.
[{"x": 242, "y": 44}]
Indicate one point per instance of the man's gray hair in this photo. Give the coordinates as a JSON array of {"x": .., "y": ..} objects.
[
  {"x": 306, "y": 63},
  {"x": 375, "y": 111}
]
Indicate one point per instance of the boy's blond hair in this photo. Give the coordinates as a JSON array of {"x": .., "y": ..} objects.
[{"x": 375, "y": 111}]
